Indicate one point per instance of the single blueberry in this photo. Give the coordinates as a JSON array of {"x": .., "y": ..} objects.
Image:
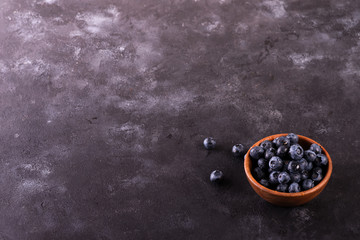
[
  {"x": 303, "y": 164},
  {"x": 317, "y": 177},
  {"x": 256, "y": 152},
  {"x": 293, "y": 138},
  {"x": 262, "y": 163},
  {"x": 304, "y": 174},
  {"x": 315, "y": 148},
  {"x": 295, "y": 177},
  {"x": 276, "y": 163},
  {"x": 284, "y": 177},
  {"x": 282, "y": 187},
  {"x": 238, "y": 150},
  {"x": 322, "y": 159},
  {"x": 283, "y": 141},
  {"x": 293, "y": 166},
  {"x": 307, "y": 184},
  {"x": 282, "y": 151},
  {"x": 309, "y": 155},
  {"x": 318, "y": 170},
  {"x": 273, "y": 177},
  {"x": 216, "y": 176},
  {"x": 309, "y": 166},
  {"x": 275, "y": 141},
  {"x": 269, "y": 153},
  {"x": 209, "y": 143},
  {"x": 258, "y": 173},
  {"x": 294, "y": 188},
  {"x": 264, "y": 182},
  {"x": 296, "y": 152},
  {"x": 266, "y": 144}
]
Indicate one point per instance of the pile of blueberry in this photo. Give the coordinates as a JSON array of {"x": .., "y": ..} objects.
[{"x": 284, "y": 166}]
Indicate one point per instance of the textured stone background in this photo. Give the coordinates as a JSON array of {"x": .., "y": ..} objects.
[{"x": 104, "y": 105}]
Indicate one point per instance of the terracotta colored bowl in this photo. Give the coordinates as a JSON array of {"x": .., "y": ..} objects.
[{"x": 287, "y": 199}]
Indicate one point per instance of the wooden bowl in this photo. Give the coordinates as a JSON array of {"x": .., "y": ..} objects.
[{"x": 287, "y": 199}]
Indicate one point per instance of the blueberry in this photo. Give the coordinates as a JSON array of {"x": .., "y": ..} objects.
[
  {"x": 293, "y": 138},
  {"x": 307, "y": 184},
  {"x": 309, "y": 155},
  {"x": 282, "y": 151},
  {"x": 282, "y": 141},
  {"x": 274, "y": 177},
  {"x": 275, "y": 141},
  {"x": 293, "y": 166},
  {"x": 256, "y": 152},
  {"x": 309, "y": 166},
  {"x": 282, "y": 187},
  {"x": 317, "y": 170},
  {"x": 317, "y": 177},
  {"x": 209, "y": 143},
  {"x": 294, "y": 188},
  {"x": 238, "y": 150},
  {"x": 258, "y": 173},
  {"x": 315, "y": 148},
  {"x": 216, "y": 176},
  {"x": 321, "y": 159},
  {"x": 284, "y": 177},
  {"x": 276, "y": 163},
  {"x": 269, "y": 153},
  {"x": 264, "y": 182},
  {"x": 295, "y": 177},
  {"x": 286, "y": 164},
  {"x": 303, "y": 164},
  {"x": 262, "y": 163},
  {"x": 266, "y": 144},
  {"x": 304, "y": 174},
  {"x": 296, "y": 152}
]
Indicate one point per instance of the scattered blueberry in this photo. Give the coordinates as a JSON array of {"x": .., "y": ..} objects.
[
  {"x": 258, "y": 173},
  {"x": 304, "y": 174},
  {"x": 316, "y": 176},
  {"x": 315, "y": 148},
  {"x": 293, "y": 138},
  {"x": 293, "y": 166},
  {"x": 295, "y": 177},
  {"x": 294, "y": 188},
  {"x": 216, "y": 176},
  {"x": 264, "y": 182},
  {"x": 209, "y": 143},
  {"x": 282, "y": 187},
  {"x": 274, "y": 177},
  {"x": 262, "y": 163},
  {"x": 238, "y": 150},
  {"x": 282, "y": 151},
  {"x": 296, "y": 152},
  {"x": 310, "y": 155},
  {"x": 276, "y": 163},
  {"x": 256, "y": 152},
  {"x": 283, "y": 177},
  {"x": 303, "y": 164},
  {"x": 266, "y": 144},
  {"x": 269, "y": 153},
  {"x": 307, "y": 184}
]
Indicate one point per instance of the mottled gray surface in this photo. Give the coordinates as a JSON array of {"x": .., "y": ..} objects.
[{"x": 104, "y": 105}]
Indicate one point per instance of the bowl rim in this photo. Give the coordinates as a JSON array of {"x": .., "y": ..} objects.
[{"x": 318, "y": 187}]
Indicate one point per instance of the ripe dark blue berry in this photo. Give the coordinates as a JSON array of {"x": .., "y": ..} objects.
[
  {"x": 309, "y": 166},
  {"x": 293, "y": 138},
  {"x": 266, "y": 144},
  {"x": 283, "y": 177},
  {"x": 273, "y": 177},
  {"x": 282, "y": 187},
  {"x": 276, "y": 163},
  {"x": 282, "y": 151},
  {"x": 293, "y": 166},
  {"x": 238, "y": 150},
  {"x": 322, "y": 159},
  {"x": 309, "y": 155},
  {"x": 304, "y": 174},
  {"x": 264, "y": 182},
  {"x": 269, "y": 153},
  {"x": 307, "y": 184},
  {"x": 282, "y": 141},
  {"x": 317, "y": 177},
  {"x": 294, "y": 188},
  {"x": 295, "y": 177},
  {"x": 209, "y": 143},
  {"x": 258, "y": 173},
  {"x": 257, "y": 152},
  {"x": 315, "y": 148},
  {"x": 296, "y": 152},
  {"x": 317, "y": 170},
  {"x": 303, "y": 164},
  {"x": 216, "y": 176},
  {"x": 262, "y": 163}
]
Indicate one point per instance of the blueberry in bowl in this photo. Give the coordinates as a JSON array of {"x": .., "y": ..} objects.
[{"x": 291, "y": 179}]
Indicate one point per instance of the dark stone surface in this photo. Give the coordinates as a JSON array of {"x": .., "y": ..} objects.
[{"x": 105, "y": 103}]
